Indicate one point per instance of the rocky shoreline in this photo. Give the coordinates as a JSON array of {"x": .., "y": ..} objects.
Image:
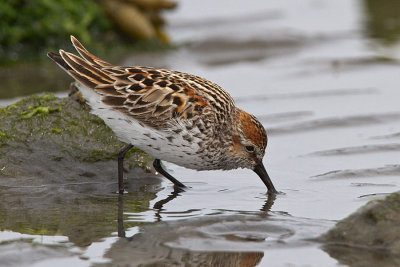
[{"x": 43, "y": 137}]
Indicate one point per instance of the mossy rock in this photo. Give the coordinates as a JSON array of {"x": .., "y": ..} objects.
[
  {"x": 57, "y": 129},
  {"x": 368, "y": 237},
  {"x": 58, "y": 171}
]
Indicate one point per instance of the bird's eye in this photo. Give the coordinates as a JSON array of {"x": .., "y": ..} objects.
[{"x": 250, "y": 148}]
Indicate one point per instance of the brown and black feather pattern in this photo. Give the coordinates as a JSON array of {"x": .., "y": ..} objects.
[{"x": 155, "y": 97}]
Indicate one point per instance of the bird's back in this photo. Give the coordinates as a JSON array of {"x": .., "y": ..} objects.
[{"x": 166, "y": 113}]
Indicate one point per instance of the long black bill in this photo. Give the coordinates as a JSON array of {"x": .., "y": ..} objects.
[{"x": 260, "y": 170}]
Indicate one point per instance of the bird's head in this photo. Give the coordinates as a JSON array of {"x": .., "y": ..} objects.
[{"x": 248, "y": 145}]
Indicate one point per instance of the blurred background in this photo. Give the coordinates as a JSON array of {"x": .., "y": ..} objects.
[
  {"x": 321, "y": 75},
  {"x": 213, "y": 34},
  {"x": 28, "y": 29}
]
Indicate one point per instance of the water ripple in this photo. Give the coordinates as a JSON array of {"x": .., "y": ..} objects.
[
  {"x": 388, "y": 170},
  {"x": 377, "y": 148},
  {"x": 336, "y": 122}
]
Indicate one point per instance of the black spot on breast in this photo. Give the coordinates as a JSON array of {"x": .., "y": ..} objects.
[
  {"x": 201, "y": 128},
  {"x": 177, "y": 101},
  {"x": 138, "y": 77},
  {"x": 189, "y": 115},
  {"x": 135, "y": 87},
  {"x": 189, "y": 127},
  {"x": 187, "y": 137},
  {"x": 162, "y": 84},
  {"x": 174, "y": 87},
  {"x": 148, "y": 82},
  {"x": 177, "y": 131},
  {"x": 170, "y": 138},
  {"x": 197, "y": 108}
]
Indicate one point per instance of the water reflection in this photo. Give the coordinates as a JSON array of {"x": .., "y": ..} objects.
[
  {"x": 269, "y": 202},
  {"x": 83, "y": 212},
  {"x": 150, "y": 247},
  {"x": 158, "y": 206}
]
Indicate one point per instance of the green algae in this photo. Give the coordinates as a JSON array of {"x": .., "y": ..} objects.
[
  {"x": 39, "y": 110},
  {"x": 65, "y": 123}
]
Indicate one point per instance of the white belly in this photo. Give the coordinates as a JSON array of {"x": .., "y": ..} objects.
[{"x": 154, "y": 142}]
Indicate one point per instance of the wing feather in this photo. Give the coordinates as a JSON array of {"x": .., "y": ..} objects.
[{"x": 154, "y": 97}]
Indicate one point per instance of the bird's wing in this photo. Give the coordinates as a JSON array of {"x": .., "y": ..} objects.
[{"x": 155, "y": 97}]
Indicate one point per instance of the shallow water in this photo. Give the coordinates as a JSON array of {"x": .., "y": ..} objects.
[{"x": 322, "y": 76}]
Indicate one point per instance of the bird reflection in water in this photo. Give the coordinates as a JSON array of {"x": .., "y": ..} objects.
[
  {"x": 148, "y": 247},
  {"x": 159, "y": 207}
]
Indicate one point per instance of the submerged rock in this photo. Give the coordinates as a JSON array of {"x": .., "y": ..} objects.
[{"x": 370, "y": 235}]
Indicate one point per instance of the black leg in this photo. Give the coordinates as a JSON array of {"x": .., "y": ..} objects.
[
  {"x": 157, "y": 166},
  {"x": 121, "y": 155},
  {"x": 120, "y": 218}
]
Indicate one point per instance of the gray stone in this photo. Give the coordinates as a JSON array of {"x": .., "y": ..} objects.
[{"x": 368, "y": 237}]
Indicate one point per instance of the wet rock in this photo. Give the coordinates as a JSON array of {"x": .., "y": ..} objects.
[
  {"x": 53, "y": 140},
  {"x": 373, "y": 230},
  {"x": 58, "y": 171}
]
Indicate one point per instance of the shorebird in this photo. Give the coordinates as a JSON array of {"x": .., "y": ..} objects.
[{"x": 173, "y": 116}]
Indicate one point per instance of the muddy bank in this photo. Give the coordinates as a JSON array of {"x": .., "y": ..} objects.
[{"x": 370, "y": 234}]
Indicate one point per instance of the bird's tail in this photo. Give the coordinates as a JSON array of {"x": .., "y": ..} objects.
[{"x": 86, "y": 70}]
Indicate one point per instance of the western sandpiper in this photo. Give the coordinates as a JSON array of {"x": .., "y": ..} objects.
[{"x": 173, "y": 116}]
